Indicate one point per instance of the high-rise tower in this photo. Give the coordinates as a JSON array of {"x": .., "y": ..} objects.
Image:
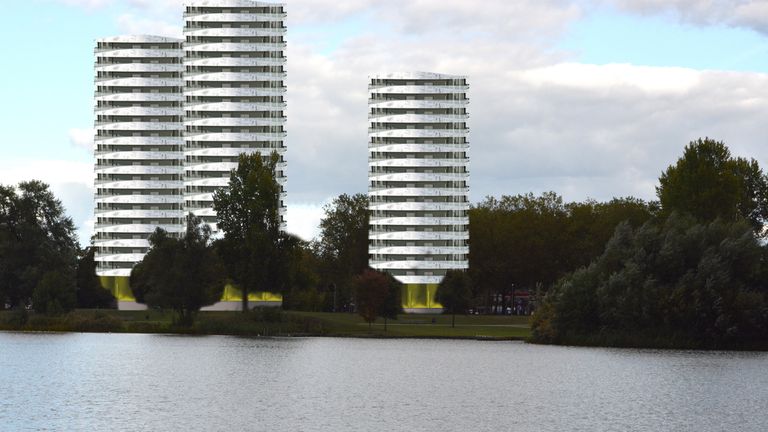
[
  {"x": 234, "y": 88},
  {"x": 138, "y": 151},
  {"x": 418, "y": 180}
]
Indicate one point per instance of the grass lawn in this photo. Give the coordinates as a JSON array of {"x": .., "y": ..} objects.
[
  {"x": 482, "y": 326},
  {"x": 273, "y": 322}
]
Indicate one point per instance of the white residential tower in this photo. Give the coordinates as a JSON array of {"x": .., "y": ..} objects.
[{"x": 418, "y": 180}]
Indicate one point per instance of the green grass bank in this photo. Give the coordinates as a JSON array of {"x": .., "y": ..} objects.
[{"x": 273, "y": 322}]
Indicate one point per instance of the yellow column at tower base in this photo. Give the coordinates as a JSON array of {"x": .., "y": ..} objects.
[
  {"x": 420, "y": 296},
  {"x": 120, "y": 288}
]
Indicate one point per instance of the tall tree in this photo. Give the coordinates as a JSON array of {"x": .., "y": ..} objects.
[
  {"x": 343, "y": 244},
  {"x": 455, "y": 293},
  {"x": 254, "y": 248},
  {"x": 180, "y": 274},
  {"x": 372, "y": 290},
  {"x": 36, "y": 237},
  {"x": 708, "y": 183}
]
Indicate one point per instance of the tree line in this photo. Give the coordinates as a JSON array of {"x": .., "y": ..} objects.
[{"x": 538, "y": 244}]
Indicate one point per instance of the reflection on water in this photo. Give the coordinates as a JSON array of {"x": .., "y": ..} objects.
[{"x": 149, "y": 382}]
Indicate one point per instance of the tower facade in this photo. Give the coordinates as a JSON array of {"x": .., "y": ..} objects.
[
  {"x": 172, "y": 117},
  {"x": 418, "y": 180},
  {"x": 138, "y": 151},
  {"x": 234, "y": 93}
]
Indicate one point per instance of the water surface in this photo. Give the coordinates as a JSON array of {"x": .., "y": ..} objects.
[{"x": 120, "y": 382}]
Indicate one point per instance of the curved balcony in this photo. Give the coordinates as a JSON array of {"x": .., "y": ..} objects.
[
  {"x": 418, "y": 265},
  {"x": 419, "y": 250},
  {"x": 141, "y": 141},
  {"x": 418, "y": 118},
  {"x": 140, "y": 126},
  {"x": 235, "y": 47},
  {"x": 418, "y": 133},
  {"x": 134, "y": 53},
  {"x": 419, "y": 206},
  {"x": 138, "y": 228},
  {"x": 113, "y": 272},
  {"x": 139, "y": 184},
  {"x": 235, "y": 17},
  {"x": 224, "y": 92},
  {"x": 141, "y": 155},
  {"x": 140, "y": 82},
  {"x": 236, "y": 121},
  {"x": 417, "y": 148},
  {"x": 140, "y": 199},
  {"x": 417, "y": 163},
  {"x": 235, "y": 76},
  {"x": 420, "y": 280},
  {"x": 216, "y": 166},
  {"x": 142, "y": 243},
  {"x": 228, "y": 151},
  {"x": 237, "y": 32},
  {"x": 418, "y": 235},
  {"x": 404, "y": 177},
  {"x": 418, "y": 104},
  {"x": 140, "y": 214},
  {"x": 419, "y": 221},
  {"x": 139, "y": 97},
  {"x": 216, "y": 182},
  {"x": 235, "y": 62},
  {"x": 236, "y": 137},
  {"x": 127, "y": 257},
  {"x": 139, "y": 169},
  {"x": 140, "y": 111},
  {"x": 140, "y": 67},
  {"x": 234, "y": 106},
  {"x": 201, "y": 197},
  {"x": 417, "y": 192},
  {"x": 205, "y": 212},
  {"x": 417, "y": 89}
]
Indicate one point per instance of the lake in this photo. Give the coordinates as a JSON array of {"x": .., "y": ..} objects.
[{"x": 126, "y": 382}]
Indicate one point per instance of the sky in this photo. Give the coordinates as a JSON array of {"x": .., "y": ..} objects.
[{"x": 587, "y": 98}]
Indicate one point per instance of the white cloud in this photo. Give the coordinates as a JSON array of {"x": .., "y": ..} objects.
[
  {"x": 304, "y": 219},
  {"x": 82, "y": 138},
  {"x": 71, "y": 182},
  {"x": 751, "y": 14}
]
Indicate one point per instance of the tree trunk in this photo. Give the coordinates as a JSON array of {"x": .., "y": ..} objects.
[
  {"x": 385, "y": 324},
  {"x": 453, "y": 320},
  {"x": 244, "y": 299}
]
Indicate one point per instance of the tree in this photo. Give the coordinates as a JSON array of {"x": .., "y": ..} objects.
[
  {"x": 180, "y": 274},
  {"x": 455, "y": 293},
  {"x": 393, "y": 304},
  {"x": 55, "y": 293},
  {"x": 90, "y": 293},
  {"x": 373, "y": 289},
  {"x": 36, "y": 237},
  {"x": 708, "y": 183},
  {"x": 256, "y": 252},
  {"x": 677, "y": 279},
  {"x": 343, "y": 244}
]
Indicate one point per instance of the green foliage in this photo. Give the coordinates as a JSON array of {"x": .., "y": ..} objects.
[
  {"x": 527, "y": 241},
  {"x": 90, "y": 293},
  {"x": 377, "y": 294},
  {"x": 701, "y": 283},
  {"x": 708, "y": 183},
  {"x": 455, "y": 293},
  {"x": 257, "y": 254},
  {"x": 55, "y": 293},
  {"x": 342, "y": 248},
  {"x": 36, "y": 238},
  {"x": 179, "y": 274}
]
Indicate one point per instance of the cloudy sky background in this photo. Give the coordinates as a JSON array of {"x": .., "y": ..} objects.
[{"x": 591, "y": 98}]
